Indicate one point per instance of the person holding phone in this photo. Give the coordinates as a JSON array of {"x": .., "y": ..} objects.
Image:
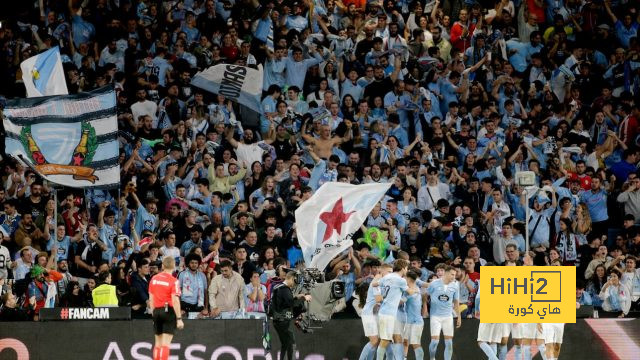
[{"x": 615, "y": 295}]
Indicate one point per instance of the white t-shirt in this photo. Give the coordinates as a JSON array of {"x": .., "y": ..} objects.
[
  {"x": 435, "y": 194},
  {"x": 5, "y": 262},
  {"x": 21, "y": 270},
  {"x": 173, "y": 252},
  {"x": 249, "y": 153}
]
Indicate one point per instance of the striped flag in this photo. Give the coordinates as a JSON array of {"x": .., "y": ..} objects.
[
  {"x": 70, "y": 140},
  {"x": 270, "y": 36},
  {"x": 43, "y": 74},
  {"x": 327, "y": 221},
  {"x": 241, "y": 84}
]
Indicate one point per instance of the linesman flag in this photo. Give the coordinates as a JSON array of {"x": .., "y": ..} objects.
[
  {"x": 69, "y": 139},
  {"x": 326, "y": 222},
  {"x": 43, "y": 74}
]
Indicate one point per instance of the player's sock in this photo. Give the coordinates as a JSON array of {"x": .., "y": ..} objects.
[
  {"x": 494, "y": 348},
  {"x": 448, "y": 349},
  {"x": 398, "y": 351},
  {"x": 518, "y": 352},
  {"x": 419, "y": 353},
  {"x": 433, "y": 346},
  {"x": 486, "y": 348},
  {"x": 165, "y": 353},
  {"x": 542, "y": 349},
  {"x": 389, "y": 352},
  {"x": 156, "y": 350},
  {"x": 372, "y": 353},
  {"x": 502, "y": 352},
  {"x": 526, "y": 350},
  {"x": 380, "y": 353},
  {"x": 365, "y": 351}
]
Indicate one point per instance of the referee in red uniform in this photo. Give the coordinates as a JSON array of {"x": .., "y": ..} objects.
[{"x": 164, "y": 297}]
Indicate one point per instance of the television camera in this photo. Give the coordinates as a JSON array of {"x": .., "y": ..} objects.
[{"x": 324, "y": 297}]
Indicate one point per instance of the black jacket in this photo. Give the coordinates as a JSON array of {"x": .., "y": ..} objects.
[
  {"x": 14, "y": 314},
  {"x": 284, "y": 305}
]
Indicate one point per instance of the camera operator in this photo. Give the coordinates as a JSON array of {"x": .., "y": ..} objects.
[{"x": 286, "y": 307}]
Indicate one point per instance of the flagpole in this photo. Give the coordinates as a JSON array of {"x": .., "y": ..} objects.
[
  {"x": 119, "y": 228},
  {"x": 55, "y": 209},
  {"x": 87, "y": 205}
]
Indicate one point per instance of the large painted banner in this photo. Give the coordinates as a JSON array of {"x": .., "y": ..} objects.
[{"x": 69, "y": 139}]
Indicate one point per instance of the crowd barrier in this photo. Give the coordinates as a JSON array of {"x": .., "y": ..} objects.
[{"x": 242, "y": 340}]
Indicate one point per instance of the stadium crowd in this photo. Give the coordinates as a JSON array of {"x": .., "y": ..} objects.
[{"x": 445, "y": 100}]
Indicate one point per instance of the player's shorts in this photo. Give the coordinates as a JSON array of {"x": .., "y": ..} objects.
[
  {"x": 370, "y": 325},
  {"x": 506, "y": 330},
  {"x": 517, "y": 331},
  {"x": 398, "y": 327},
  {"x": 438, "y": 323},
  {"x": 490, "y": 332},
  {"x": 413, "y": 333},
  {"x": 164, "y": 322},
  {"x": 529, "y": 331},
  {"x": 553, "y": 333},
  {"x": 386, "y": 326}
]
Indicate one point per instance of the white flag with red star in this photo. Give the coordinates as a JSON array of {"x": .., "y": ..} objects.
[{"x": 326, "y": 222}]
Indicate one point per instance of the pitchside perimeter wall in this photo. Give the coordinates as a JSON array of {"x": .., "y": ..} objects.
[{"x": 241, "y": 339}]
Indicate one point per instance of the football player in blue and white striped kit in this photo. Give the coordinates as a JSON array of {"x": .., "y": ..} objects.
[{"x": 444, "y": 297}]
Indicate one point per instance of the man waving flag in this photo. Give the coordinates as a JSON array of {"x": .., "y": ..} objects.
[
  {"x": 43, "y": 74},
  {"x": 326, "y": 222}
]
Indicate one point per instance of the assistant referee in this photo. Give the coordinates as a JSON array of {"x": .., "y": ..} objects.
[{"x": 164, "y": 297}]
